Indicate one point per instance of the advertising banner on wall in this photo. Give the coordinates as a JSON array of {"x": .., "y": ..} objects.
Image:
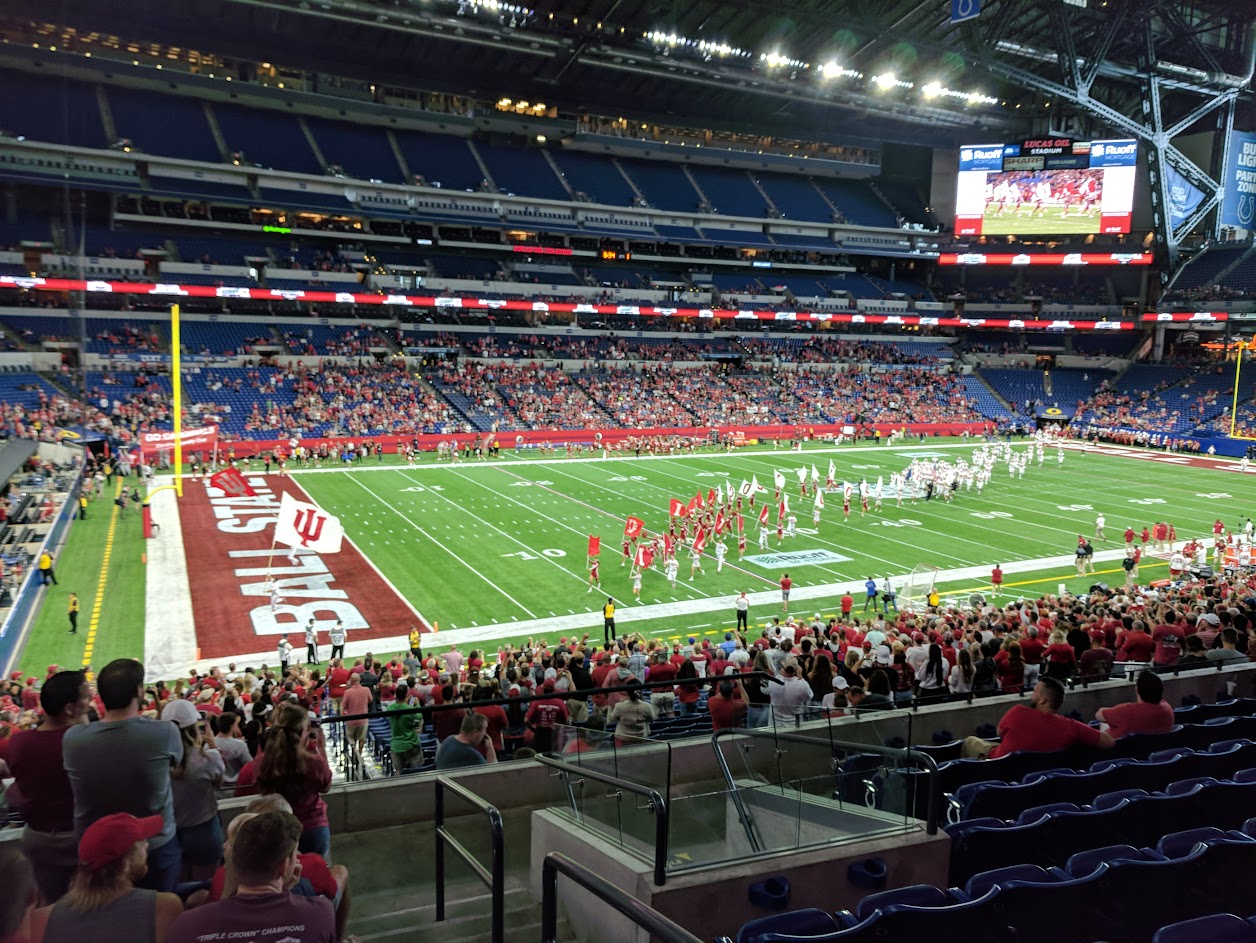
[{"x": 1239, "y": 179}]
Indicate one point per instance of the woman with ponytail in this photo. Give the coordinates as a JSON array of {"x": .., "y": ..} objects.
[{"x": 294, "y": 765}]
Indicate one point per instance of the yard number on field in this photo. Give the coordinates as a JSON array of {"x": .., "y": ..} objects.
[{"x": 548, "y": 551}]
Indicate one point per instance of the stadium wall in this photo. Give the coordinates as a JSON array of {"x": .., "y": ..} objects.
[{"x": 533, "y": 437}]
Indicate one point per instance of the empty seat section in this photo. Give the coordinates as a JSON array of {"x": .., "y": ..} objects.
[
  {"x": 855, "y": 200},
  {"x": 361, "y": 151},
  {"x": 57, "y": 110},
  {"x": 796, "y": 198},
  {"x": 596, "y": 177},
  {"x": 522, "y": 170},
  {"x": 664, "y": 186},
  {"x": 441, "y": 159},
  {"x": 269, "y": 138},
  {"x": 730, "y": 192},
  {"x": 163, "y": 124}
]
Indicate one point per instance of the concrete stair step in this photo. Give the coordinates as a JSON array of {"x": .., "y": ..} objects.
[{"x": 387, "y": 916}]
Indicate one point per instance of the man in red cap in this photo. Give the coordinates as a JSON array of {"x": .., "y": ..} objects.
[{"x": 112, "y": 858}]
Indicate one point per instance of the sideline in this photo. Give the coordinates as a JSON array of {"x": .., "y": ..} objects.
[
  {"x": 98, "y": 603},
  {"x": 169, "y": 623}
]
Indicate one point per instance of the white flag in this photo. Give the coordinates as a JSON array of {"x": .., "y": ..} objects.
[
  {"x": 779, "y": 479},
  {"x": 802, "y": 476},
  {"x": 880, "y": 486},
  {"x": 815, "y": 473},
  {"x": 819, "y": 498},
  {"x": 745, "y": 488},
  {"x": 307, "y": 526},
  {"x": 832, "y": 469},
  {"x": 755, "y": 487}
]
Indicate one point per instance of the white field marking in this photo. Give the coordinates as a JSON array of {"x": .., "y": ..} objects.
[
  {"x": 538, "y": 513},
  {"x": 369, "y": 562},
  {"x": 443, "y": 547},
  {"x": 629, "y": 614},
  {"x": 510, "y": 537}
]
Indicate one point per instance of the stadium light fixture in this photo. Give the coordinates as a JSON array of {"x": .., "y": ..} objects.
[
  {"x": 833, "y": 70},
  {"x": 888, "y": 80},
  {"x": 932, "y": 90}
]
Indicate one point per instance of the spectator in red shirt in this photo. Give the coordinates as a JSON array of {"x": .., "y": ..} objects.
[
  {"x": 1059, "y": 658},
  {"x": 1096, "y": 663},
  {"x": 545, "y": 714},
  {"x": 1137, "y": 644},
  {"x": 1038, "y": 727},
  {"x": 727, "y": 706},
  {"x": 1169, "y": 638},
  {"x": 1151, "y": 713}
]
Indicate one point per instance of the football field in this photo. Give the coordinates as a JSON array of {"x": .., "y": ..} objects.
[
  {"x": 498, "y": 550},
  {"x": 1053, "y": 220}
]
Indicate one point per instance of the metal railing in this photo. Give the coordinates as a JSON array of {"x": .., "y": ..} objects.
[
  {"x": 657, "y": 804},
  {"x": 494, "y": 876},
  {"x": 647, "y": 918},
  {"x": 908, "y": 755}
]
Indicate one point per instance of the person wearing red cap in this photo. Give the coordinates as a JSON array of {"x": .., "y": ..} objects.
[
  {"x": 264, "y": 866},
  {"x": 103, "y": 903}
]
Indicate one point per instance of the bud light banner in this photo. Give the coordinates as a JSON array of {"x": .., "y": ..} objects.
[
  {"x": 200, "y": 439},
  {"x": 1184, "y": 197},
  {"x": 1239, "y": 206}
]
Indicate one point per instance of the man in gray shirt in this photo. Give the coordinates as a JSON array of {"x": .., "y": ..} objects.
[
  {"x": 122, "y": 764},
  {"x": 463, "y": 749},
  {"x": 1228, "y": 650}
]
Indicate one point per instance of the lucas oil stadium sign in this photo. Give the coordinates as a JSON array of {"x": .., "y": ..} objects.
[{"x": 774, "y": 561}]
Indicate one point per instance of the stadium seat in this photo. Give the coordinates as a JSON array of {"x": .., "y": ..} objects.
[
  {"x": 1086, "y": 862},
  {"x": 1037, "y": 812},
  {"x": 1045, "y": 911},
  {"x": 1112, "y": 799},
  {"x": 1217, "y": 928},
  {"x": 810, "y": 921},
  {"x": 981, "y": 884},
  {"x": 915, "y": 895},
  {"x": 1179, "y": 844},
  {"x": 1186, "y": 785}
]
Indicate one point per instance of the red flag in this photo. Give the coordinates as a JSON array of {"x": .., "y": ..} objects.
[
  {"x": 677, "y": 508},
  {"x": 719, "y": 523},
  {"x": 645, "y": 556},
  {"x": 595, "y": 545},
  {"x": 699, "y": 540},
  {"x": 741, "y": 524},
  {"x": 229, "y": 481},
  {"x": 697, "y": 501},
  {"x": 711, "y": 496},
  {"x": 763, "y": 515},
  {"x": 668, "y": 545},
  {"x": 633, "y": 527},
  {"x": 693, "y": 505},
  {"x": 780, "y": 512}
]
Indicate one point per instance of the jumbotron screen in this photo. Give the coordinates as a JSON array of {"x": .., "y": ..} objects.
[{"x": 1045, "y": 187}]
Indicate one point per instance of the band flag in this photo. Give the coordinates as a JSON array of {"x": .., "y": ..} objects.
[
  {"x": 677, "y": 508},
  {"x": 763, "y": 515},
  {"x": 633, "y": 527},
  {"x": 230, "y": 482},
  {"x": 307, "y": 526},
  {"x": 595, "y": 545}
]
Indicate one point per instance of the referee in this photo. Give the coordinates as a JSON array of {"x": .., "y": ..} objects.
[
  {"x": 742, "y": 605},
  {"x": 608, "y": 620}
]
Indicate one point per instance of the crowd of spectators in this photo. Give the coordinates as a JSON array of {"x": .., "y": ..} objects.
[{"x": 915, "y": 394}]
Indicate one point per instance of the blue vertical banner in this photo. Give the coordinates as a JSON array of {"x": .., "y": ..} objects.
[
  {"x": 1184, "y": 197},
  {"x": 1239, "y": 179},
  {"x": 962, "y": 10}
]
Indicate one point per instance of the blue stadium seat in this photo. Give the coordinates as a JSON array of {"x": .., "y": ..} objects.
[
  {"x": 1180, "y": 844},
  {"x": 1041, "y": 912},
  {"x": 981, "y": 884},
  {"x": 1217, "y": 928},
  {"x": 810, "y": 921},
  {"x": 915, "y": 895},
  {"x": 1087, "y": 862},
  {"x": 1186, "y": 785},
  {"x": 1110, "y": 800},
  {"x": 1035, "y": 813}
]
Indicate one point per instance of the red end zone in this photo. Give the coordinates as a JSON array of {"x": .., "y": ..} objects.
[{"x": 228, "y": 542}]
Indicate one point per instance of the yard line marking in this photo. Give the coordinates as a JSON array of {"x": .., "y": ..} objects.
[
  {"x": 98, "y": 603},
  {"x": 442, "y": 546},
  {"x": 578, "y": 576}
]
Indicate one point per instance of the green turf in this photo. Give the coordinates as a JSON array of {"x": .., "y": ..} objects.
[
  {"x": 120, "y": 632},
  {"x": 1051, "y": 221},
  {"x": 472, "y": 545}
]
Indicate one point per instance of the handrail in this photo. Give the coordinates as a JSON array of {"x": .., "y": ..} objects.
[
  {"x": 743, "y": 815},
  {"x": 494, "y": 876},
  {"x": 658, "y": 805},
  {"x": 909, "y": 753},
  {"x": 574, "y": 694},
  {"x": 647, "y": 918}
]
